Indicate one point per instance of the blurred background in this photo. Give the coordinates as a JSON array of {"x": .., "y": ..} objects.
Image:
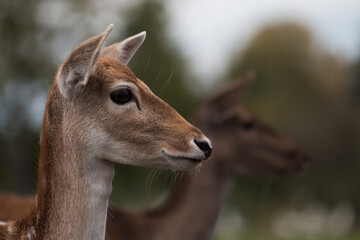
[{"x": 307, "y": 58}]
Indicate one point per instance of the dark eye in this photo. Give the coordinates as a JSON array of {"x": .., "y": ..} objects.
[
  {"x": 121, "y": 96},
  {"x": 249, "y": 125}
]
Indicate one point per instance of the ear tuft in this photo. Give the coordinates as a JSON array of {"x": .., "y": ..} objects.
[
  {"x": 125, "y": 50},
  {"x": 74, "y": 73},
  {"x": 109, "y": 28}
]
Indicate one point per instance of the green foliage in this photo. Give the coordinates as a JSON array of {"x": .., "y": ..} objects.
[
  {"x": 356, "y": 78},
  {"x": 283, "y": 59},
  {"x": 159, "y": 63},
  {"x": 22, "y": 55},
  {"x": 304, "y": 92}
]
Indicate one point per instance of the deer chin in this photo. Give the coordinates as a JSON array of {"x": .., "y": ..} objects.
[{"x": 183, "y": 161}]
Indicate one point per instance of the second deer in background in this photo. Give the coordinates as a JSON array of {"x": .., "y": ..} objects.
[{"x": 243, "y": 145}]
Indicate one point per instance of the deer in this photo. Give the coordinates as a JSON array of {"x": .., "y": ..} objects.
[
  {"x": 244, "y": 146},
  {"x": 99, "y": 113}
]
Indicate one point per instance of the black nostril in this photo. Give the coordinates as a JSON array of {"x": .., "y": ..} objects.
[{"x": 205, "y": 147}]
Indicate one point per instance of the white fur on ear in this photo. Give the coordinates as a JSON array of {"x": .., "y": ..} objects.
[
  {"x": 77, "y": 68},
  {"x": 125, "y": 50}
]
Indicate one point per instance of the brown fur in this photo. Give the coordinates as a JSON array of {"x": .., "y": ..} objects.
[
  {"x": 13, "y": 207},
  {"x": 84, "y": 132},
  {"x": 166, "y": 121},
  {"x": 191, "y": 210}
]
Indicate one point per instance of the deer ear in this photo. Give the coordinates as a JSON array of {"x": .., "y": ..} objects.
[
  {"x": 231, "y": 93},
  {"x": 74, "y": 73},
  {"x": 125, "y": 50}
]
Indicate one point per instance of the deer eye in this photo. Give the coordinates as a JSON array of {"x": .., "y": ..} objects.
[
  {"x": 248, "y": 125},
  {"x": 121, "y": 96}
]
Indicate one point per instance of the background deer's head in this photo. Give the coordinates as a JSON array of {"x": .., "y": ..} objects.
[{"x": 244, "y": 142}]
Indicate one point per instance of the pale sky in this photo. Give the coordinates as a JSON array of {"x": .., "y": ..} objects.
[{"x": 208, "y": 31}]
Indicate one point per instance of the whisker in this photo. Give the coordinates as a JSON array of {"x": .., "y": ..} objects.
[
  {"x": 110, "y": 215},
  {"x": 159, "y": 74},
  {"x": 168, "y": 81},
  {"x": 167, "y": 177},
  {"x": 147, "y": 63},
  {"x": 179, "y": 179},
  {"x": 173, "y": 180},
  {"x": 149, "y": 182},
  {"x": 194, "y": 173}
]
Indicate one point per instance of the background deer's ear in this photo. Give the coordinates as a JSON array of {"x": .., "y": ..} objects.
[
  {"x": 232, "y": 92},
  {"x": 74, "y": 73},
  {"x": 125, "y": 50},
  {"x": 222, "y": 102}
]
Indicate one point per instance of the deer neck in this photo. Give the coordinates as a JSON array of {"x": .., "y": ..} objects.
[
  {"x": 196, "y": 205},
  {"x": 74, "y": 186}
]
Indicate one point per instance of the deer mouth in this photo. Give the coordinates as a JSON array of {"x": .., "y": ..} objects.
[{"x": 176, "y": 157}]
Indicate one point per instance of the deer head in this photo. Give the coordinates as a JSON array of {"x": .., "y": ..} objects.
[
  {"x": 115, "y": 116},
  {"x": 245, "y": 143}
]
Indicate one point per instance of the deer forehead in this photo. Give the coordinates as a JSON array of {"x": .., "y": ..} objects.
[
  {"x": 242, "y": 112},
  {"x": 113, "y": 74}
]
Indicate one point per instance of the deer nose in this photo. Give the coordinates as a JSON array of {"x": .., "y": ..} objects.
[{"x": 204, "y": 146}]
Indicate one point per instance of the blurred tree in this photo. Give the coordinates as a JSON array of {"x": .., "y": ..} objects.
[
  {"x": 356, "y": 77},
  {"x": 159, "y": 63},
  {"x": 23, "y": 61},
  {"x": 283, "y": 59},
  {"x": 303, "y": 91},
  {"x": 22, "y": 55}
]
